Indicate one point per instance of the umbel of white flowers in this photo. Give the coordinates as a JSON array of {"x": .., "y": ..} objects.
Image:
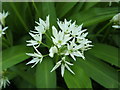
[
  {"x": 116, "y": 21},
  {"x": 69, "y": 40},
  {"x": 3, "y": 15}
]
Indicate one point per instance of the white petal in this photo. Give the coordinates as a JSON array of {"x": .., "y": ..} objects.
[
  {"x": 54, "y": 31},
  {"x": 47, "y": 22},
  {"x": 32, "y": 61},
  {"x": 40, "y": 60},
  {"x": 51, "y": 55},
  {"x": 56, "y": 66},
  {"x": 42, "y": 22},
  {"x": 62, "y": 70},
  {"x": 79, "y": 54},
  {"x": 37, "y": 23},
  {"x": 68, "y": 63},
  {"x": 40, "y": 29},
  {"x": 52, "y": 51},
  {"x": 73, "y": 57},
  {"x": 69, "y": 69},
  {"x": 37, "y": 51},
  {"x": 116, "y": 26},
  {"x": 5, "y": 28},
  {"x": 30, "y": 54}
]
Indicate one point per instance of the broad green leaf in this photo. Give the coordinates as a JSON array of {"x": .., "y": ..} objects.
[
  {"x": 64, "y": 8},
  {"x": 79, "y": 80},
  {"x": 88, "y": 5},
  {"x": 106, "y": 52},
  {"x": 98, "y": 19},
  {"x": 14, "y": 55},
  {"x": 45, "y": 78},
  {"x": 94, "y": 16},
  {"x": 102, "y": 73},
  {"x": 17, "y": 10},
  {"x": 26, "y": 76},
  {"x": 78, "y": 7}
]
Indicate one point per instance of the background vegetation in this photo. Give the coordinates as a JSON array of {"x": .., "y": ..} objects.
[{"x": 101, "y": 67}]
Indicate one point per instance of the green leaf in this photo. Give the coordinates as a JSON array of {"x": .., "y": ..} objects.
[
  {"x": 64, "y": 8},
  {"x": 48, "y": 8},
  {"x": 14, "y": 55},
  {"x": 102, "y": 73},
  {"x": 94, "y": 16},
  {"x": 38, "y": 9},
  {"x": 77, "y": 7},
  {"x": 17, "y": 9},
  {"x": 21, "y": 16},
  {"x": 106, "y": 52},
  {"x": 79, "y": 80},
  {"x": 98, "y": 19},
  {"x": 26, "y": 76},
  {"x": 9, "y": 37},
  {"x": 45, "y": 78},
  {"x": 88, "y": 5}
]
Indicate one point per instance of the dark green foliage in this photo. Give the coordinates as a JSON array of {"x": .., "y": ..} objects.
[{"x": 100, "y": 65}]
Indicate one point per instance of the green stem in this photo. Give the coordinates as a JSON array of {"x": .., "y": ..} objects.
[
  {"x": 57, "y": 58},
  {"x": 45, "y": 55},
  {"x": 45, "y": 45},
  {"x": 48, "y": 37},
  {"x": 35, "y": 6},
  {"x": 102, "y": 29}
]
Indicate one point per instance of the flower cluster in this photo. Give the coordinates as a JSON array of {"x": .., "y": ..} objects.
[
  {"x": 3, "y": 79},
  {"x": 69, "y": 40},
  {"x": 116, "y": 21},
  {"x": 3, "y": 15}
]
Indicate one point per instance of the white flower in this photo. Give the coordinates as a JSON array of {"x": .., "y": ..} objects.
[
  {"x": 52, "y": 51},
  {"x": 116, "y": 21},
  {"x": 3, "y": 15},
  {"x": 73, "y": 50},
  {"x": 116, "y": 26},
  {"x": 84, "y": 45},
  {"x": 2, "y": 30},
  {"x": 37, "y": 57},
  {"x": 69, "y": 40},
  {"x": 4, "y": 81},
  {"x": 37, "y": 39},
  {"x": 80, "y": 38},
  {"x": 116, "y": 18},
  {"x": 43, "y": 24},
  {"x": 64, "y": 26},
  {"x": 76, "y": 30},
  {"x": 60, "y": 38},
  {"x": 64, "y": 64},
  {"x": 40, "y": 29}
]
